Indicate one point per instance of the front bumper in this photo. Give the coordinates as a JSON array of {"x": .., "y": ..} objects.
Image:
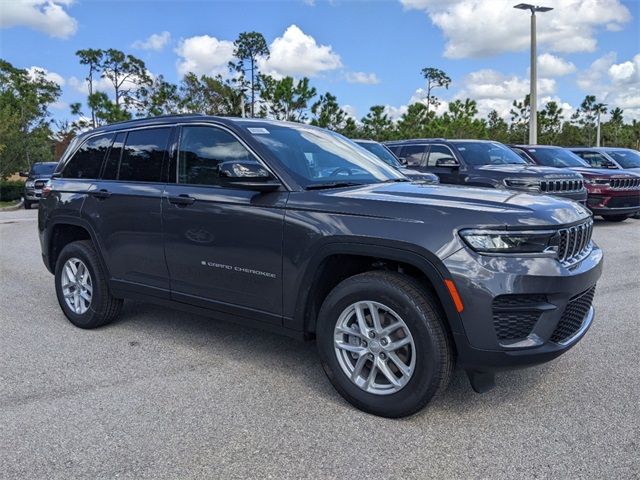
[
  {"x": 32, "y": 194},
  {"x": 607, "y": 204},
  {"x": 530, "y": 297},
  {"x": 579, "y": 196}
]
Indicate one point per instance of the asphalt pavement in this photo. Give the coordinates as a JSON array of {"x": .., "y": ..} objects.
[{"x": 165, "y": 394}]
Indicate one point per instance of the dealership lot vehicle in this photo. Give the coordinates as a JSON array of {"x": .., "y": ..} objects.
[
  {"x": 486, "y": 164},
  {"x": 159, "y": 394},
  {"x": 613, "y": 194},
  {"x": 36, "y": 179},
  {"x": 387, "y": 156},
  {"x": 610, "y": 157},
  {"x": 293, "y": 228}
]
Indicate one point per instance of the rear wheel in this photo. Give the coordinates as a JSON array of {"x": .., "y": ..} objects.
[
  {"x": 615, "y": 218},
  {"x": 383, "y": 345},
  {"x": 82, "y": 289},
  {"x": 27, "y": 205}
]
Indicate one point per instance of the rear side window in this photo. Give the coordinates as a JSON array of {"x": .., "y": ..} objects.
[
  {"x": 143, "y": 154},
  {"x": 202, "y": 150},
  {"x": 87, "y": 160},
  {"x": 413, "y": 155},
  {"x": 113, "y": 159}
]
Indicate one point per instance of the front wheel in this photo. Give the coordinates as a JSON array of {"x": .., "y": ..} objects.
[
  {"x": 615, "y": 218},
  {"x": 27, "y": 205},
  {"x": 382, "y": 342}
]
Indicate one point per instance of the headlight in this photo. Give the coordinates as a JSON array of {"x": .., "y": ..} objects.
[
  {"x": 531, "y": 184},
  {"x": 512, "y": 242},
  {"x": 29, "y": 184}
]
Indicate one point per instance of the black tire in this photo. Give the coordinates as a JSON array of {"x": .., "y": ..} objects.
[
  {"x": 425, "y": 320},
  {"x": 615, "y": 218},
  {"x": 27, "y": 205},
  {"x": 104, "y": 307}
]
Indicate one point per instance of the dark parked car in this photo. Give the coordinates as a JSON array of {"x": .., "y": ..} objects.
[
  {"x": 486, "y": 164},
  {"x": 36, "y": 179},
  {"x": 294, "y": 229},
  {"x": 613, "y": 194},
  {"x": 387, "y": 156},
  {"x": 610, "y": 157}
]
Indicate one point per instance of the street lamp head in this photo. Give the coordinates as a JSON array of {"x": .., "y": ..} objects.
[{"x": 532, "y": 8}]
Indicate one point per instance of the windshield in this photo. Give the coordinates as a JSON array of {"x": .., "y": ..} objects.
[
  {"x": 626, "y": 158},
  {"x": 488, "y": 153},
  {"x": 557, "y": 157},
  {"x": 382, "y": 152},
  {"x": 43, "y": 168},
  {"x": 319, "y": 157}
]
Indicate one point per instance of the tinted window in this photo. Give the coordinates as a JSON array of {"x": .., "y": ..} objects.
[
  {"x": 395, "y": 149},
  {"x": 87, "y": 161},
  {"x": 202, "y": 150},
  {"x": 557, "y": 157},
  {"x": 143, "y": 153},
  {"x": 382, "y": 152},
  {"x": 113, "y": 159},
  {"x": 626, "y": 158},
  {"x": 487, "y": 153},
  {"x": 413, "y": 154},
  {"x": 595, "y": 159},
  {"x": 442, "y": 154}
]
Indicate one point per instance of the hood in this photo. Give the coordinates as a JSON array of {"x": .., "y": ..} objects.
[
  {"x": 604, "y": 172},
  {"x": 526, "y": 170},
  {"x": 471, "y": 206}
]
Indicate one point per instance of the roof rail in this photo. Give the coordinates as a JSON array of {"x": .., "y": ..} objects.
[{"x": 172, "y": 115}]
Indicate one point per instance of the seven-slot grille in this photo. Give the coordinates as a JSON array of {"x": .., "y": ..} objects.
[
  {"x": 559, "y": 185},
  {"x": 624, "y": 183},
  {"x": 575, "y": 242},
  {"x": 39, "y": 183}
]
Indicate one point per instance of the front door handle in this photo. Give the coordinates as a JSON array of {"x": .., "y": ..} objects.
[
  {"x": 181, "y": 200},
  {"x": 101, "y": 194}
]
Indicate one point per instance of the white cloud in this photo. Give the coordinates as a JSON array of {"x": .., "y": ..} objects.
[
  {"x": 362, "y": 77},
  {"x": 48, "y": 16},
  {"x": 297, "y": 54},
  {"x": 552, "y": 66},
  {"x": 616, "y": 84},
  {"x": 156, "y": 41},
  {"x": 51, "y": 76},
  {"x": 204, "y": 55},
  {"x": 351, "y": 111},
  {"x": 481, "y": 28}
]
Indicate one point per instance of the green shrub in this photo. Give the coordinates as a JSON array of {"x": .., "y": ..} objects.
[{"x": 10, "y": 190}]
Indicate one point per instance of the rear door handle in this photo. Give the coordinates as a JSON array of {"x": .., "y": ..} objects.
[
  {"x": 183, "y": 199},
  {"x": 101, "y": 194}
]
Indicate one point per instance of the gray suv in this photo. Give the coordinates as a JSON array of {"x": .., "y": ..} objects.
[{"x": 295, "y": 229}]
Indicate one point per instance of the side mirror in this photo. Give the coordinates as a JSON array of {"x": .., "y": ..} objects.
[
  {"x": 23, "y": 174},
  {"x": 403, "y": 160},
  {"x": 247, "y": 175},
  {"x": 447, "y": 162},
  {"x": 608, "y": 164}
]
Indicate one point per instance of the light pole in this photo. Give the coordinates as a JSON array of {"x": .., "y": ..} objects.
[{"x": 533, "y": 96}]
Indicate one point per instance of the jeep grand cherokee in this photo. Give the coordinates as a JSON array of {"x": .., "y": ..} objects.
[{"x": 296, "y": 229}]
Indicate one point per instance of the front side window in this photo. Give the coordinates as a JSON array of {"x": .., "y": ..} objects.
[
  {"x": 202, "y": 150},
  {"x": 413, "y": 155},
  {"x": 382, "y": 152},
  {"x": 595, "y": 159},
  {"x": 113, "y": 159},
  {"x": 487, "y": 153},
  {"x": 87, "y": 160},
  {"x": 440, "y": 155},
  {"x": 320, "y": 158},
  {"x": 143, "y": 155}
]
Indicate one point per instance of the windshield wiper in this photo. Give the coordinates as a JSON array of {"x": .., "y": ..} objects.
[
  {"x": 393, "y": 180},
  {"x": 321, "y": 186}
]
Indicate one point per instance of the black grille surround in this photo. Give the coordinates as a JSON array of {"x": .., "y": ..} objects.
[
  {"x": 574, "y": 243},
  {"x": 573, "y": 316},
  {"x": 561, "y": 185}
]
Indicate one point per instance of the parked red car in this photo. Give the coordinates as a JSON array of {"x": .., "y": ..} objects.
[{"x": 612, "y": 194}]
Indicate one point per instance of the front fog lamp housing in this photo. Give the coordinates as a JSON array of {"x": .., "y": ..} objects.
[
  {"x": 508, "y": 242},
  {"x": 529, "y": 184}
]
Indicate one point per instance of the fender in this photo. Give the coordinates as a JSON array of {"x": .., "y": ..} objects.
[{"x": 428, "y": 263}]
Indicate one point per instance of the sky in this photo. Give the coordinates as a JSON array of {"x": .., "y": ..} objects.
[{"x": 364, "y": 52}]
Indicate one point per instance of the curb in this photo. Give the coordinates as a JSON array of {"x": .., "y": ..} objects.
[{"x": 14, "y": 207}]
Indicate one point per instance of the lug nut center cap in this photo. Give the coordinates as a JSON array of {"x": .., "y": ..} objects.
[{"x": 374, "y": 346}]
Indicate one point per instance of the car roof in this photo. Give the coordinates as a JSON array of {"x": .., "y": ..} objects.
[
  {"x": 435, "y": 140},
  {"x": 363, "y": 140}
]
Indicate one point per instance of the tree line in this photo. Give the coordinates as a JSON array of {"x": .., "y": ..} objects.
[{"x": 128, "y": 90}]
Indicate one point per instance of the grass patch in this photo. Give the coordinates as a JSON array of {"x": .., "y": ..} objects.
[{"x": 9, "y": 204}]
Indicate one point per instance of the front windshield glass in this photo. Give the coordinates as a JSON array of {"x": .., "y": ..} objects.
[
  {"x": 43, "y": 168},
  {"x": 318, "y": 157},
  {"x": 557, "y": 157},
  {"x": 382, "y": 152},
  {"x": 488, "y": 153},
  {"x": 626, "y": 158}
]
